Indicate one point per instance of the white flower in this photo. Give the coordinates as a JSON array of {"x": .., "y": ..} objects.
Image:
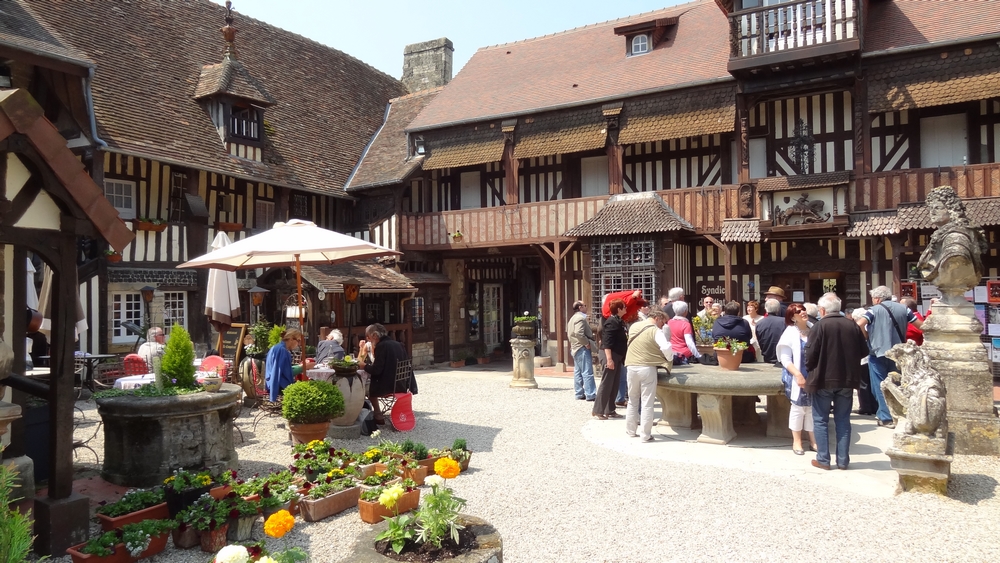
[
  {"x": 266, "y": 559},
  {"x": 233, "y": 554},
  {"x": 376, "y": 433},
  {"x": 434, "y": 480}
]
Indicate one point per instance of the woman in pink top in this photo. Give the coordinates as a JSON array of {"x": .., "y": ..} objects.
[{"x": 682, "y": 335}]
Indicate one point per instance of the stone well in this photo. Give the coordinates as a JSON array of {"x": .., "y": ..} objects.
[{"x": 147, "y": 438}]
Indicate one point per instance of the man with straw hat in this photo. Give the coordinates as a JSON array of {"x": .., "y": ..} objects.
[{"x": 778, "y": 294}]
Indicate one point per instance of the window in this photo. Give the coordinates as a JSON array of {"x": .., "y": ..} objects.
[
  {"x": 174, "y": 310},
  {"x": 594, "y": 176},
  {"x": 299, "y": 206},
  {"x": 121, "y": 194},
  {"x": 471, "y": 191},
  {"x": 176, "y": 209},
  {"x": 418, "y": 312},
  {"x": 640, "y": 44},
  {"x": 244, "y": 123},
  {"x": 263, "y": 215},
  {"x": 125, "y": 307},
  {"x": 617, "y": 266}
]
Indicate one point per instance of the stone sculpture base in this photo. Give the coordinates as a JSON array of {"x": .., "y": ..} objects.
[
  {"x": 524, "y": 363},
  {"x": 716, "y": 418},
  {"x": 923, "y": 463},
  {"x": 951, "y": 340}
]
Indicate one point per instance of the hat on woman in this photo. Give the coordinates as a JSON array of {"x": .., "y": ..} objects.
[{"x": 775, "y": 290}]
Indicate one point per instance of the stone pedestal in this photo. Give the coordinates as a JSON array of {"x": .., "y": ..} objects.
[
  {"x": 679, "y": 409},
  {"x": 524, "y": 363},
  {"x": 778, "y": 408},
  {"x": 61, "y": 523},
  {"x": 923, "y": 463},
  {"x": 745, "y": 411},
  {"x": 147, "y": 438},
  {"x": 716, "y": 419},
  {"x": 951, "y": 340}
]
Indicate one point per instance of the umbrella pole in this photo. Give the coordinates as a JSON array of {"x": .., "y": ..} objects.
[{"x": 298, "y": 282}]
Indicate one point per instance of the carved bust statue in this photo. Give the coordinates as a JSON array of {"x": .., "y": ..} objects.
[
  {"x": 918, "y": 392},
  {"x": 952, "y": 260}
]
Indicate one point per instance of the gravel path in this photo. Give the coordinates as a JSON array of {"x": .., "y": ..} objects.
[{"x": 557, "y": 496}]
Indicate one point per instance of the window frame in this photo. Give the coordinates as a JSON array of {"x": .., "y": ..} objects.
[
  {"x": 251, "y": 125},
  {"x": 123, "y": 212},
  {"x": 418, "y": 313},
  {"x": 257, "y": 205},
  {"x": 646, "y": 42},
  {"x": 168, "y": 322},
  {"x": 118, "y": 334}
]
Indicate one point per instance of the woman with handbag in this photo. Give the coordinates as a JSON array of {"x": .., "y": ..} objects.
[{"x": 791, "y": 354}]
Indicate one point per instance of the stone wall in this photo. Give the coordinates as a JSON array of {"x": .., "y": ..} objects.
[
  {"x": 423, "y": 354},
  {"x": 427, "y": 65}
]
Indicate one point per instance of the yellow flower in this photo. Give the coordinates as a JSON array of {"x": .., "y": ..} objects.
[
  {"x": 315, "y": 444},
  {"x": 391, "y": 496},
  {"x": 447, "y": 468},
  {"x": 168, "y": 480},
  {"x": 205, "y": 480},
  {"x": 279, "y": 524}
]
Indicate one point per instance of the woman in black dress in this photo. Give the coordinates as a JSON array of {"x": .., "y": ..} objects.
[{"x": 614, "y": 344}]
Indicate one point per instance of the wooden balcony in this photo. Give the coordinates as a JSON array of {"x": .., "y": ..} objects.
[
  {"x": 793, "y": 35},
  {"x": 886, "y": 190},
  {"x": 546, "y": 221}
]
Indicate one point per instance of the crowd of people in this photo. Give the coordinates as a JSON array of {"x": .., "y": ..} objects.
[{"x": 825, "y": 354}]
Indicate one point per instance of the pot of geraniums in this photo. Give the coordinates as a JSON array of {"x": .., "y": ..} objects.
[
  {"x": 729, "y": 352},
  {"x": 242, "y": 515},
  {"x": 372, "y": 503},
  {"x": 279, "y": 497},
  {"x": 135, "y": 505},
  {"x": 313, "y": 459},
  {"x": 112, "y": 255},
  {"x": 309, "y": 406},
  {"x": 185, "y": 487},
  {"x": 329, "y": 498}
]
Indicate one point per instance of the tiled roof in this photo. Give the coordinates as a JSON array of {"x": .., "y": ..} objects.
[
  {"x": 740, "y": 230},
  {"x": 983, "y": 212},
  {"x": 902, "y": 23},
  {"x": 561, "y": 133},
  {"x": 631, "y": 214},
  {"x": 150, "y": 55},
  {"x": 873, "y": 223},
  {"x": 930, "y": 80},
  {"x": 583, "y": 66},
  {"x": 804, "y": 181},
  {"x": 427, "y": 278},
  {"x": 21, "y": 29},
  {"x": 231, "y": 77},
  {"x": 475, "y": 145},
  {"x": 373, "y": 277},
  {"x": 681, "y": 114},
  {"x": 385, "y": 161}
]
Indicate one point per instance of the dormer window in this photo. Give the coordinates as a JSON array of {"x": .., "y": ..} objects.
[
  {"x": 245, "y": 123},
  {"x": 640, "y": 44}
]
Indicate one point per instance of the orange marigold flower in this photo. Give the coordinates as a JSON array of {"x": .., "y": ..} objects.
[
  {"x": 279, "y": 524},
  {"x": 447, "y": 468}
]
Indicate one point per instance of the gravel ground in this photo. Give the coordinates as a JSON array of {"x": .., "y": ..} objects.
[{"x": 555, "y": 496}]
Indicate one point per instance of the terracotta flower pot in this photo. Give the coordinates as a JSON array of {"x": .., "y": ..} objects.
[
  {"x": 367, "y": 470},
  {"x": 120, "y": 555},
  {"x": 186, "y": 539},
  {"x": 149, "y": 226},
  {"x": 305, "y": 433},
  {"x": 156, "y": 545},
  {"x": 429, "y": 463},
  {"x": 373, "y": 512},
  {"x": 728, "y": 360},
  {"x": 113, "y": 258},
  {"x": 220, "y": 492},
  {"x": 214, "y": 540},
  {"x": 155, "y": 512},
  {"x": 314, "y": 510}
]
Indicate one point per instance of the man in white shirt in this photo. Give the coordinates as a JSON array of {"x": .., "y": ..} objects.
[{"x": 153, "y": 347}]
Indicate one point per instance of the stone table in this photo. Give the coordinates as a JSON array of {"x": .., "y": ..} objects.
[{"x": 722, "y": 397}]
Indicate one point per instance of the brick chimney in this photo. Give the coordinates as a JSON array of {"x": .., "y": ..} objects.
[{"x": 427, "y": 65}]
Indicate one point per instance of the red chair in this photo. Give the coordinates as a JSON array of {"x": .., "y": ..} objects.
[
  {"x": 402, "y": 413},
  {"x": 136, "y": 365}
]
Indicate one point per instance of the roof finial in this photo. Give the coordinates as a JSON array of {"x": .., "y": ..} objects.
[{"x": 229, "y": 32}]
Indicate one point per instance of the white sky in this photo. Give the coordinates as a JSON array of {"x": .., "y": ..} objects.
[{"x": 376, "y": 31}]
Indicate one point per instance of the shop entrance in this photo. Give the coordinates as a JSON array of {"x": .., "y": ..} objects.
[{"x": 808, "y": 288}]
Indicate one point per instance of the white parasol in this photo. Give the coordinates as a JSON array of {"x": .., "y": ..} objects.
[
  {"x": 222, "y": 301},
  {"x": 290, "y": 244}
]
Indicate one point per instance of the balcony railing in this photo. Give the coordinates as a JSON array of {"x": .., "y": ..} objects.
[
  {"x": 792, "y": 25},
  {"x": 886, "y": 190}
]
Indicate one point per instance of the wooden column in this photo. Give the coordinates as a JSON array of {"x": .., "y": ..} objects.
[
  {"x": 511, "y": 167},
  {"x": 615, "y": 182},
  {"x": 742, "y": 174},
  {"x": 727, "y": 256},
  {"x": 61, "y": 399},
  {"x": 862, "y": 129},
  {"x": 557, "y": 254}
]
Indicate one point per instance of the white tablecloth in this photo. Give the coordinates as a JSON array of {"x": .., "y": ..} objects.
[{"x": 134, "y": 381}]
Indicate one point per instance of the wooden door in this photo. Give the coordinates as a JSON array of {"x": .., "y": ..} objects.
[
  {"x": 491, "y": 326},
  {"x": 437, "y": 320}
]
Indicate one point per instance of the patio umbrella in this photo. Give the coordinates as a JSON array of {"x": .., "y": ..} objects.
[
  {"x": 222, "y": 301},
  {"x": 45, "y": 305},
  {"x": 290, "y": 244}
]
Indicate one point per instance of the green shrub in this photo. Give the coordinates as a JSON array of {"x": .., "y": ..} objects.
[
  {"x": 274, "y": 335},
  {"x": 309, "y": 402},
  {"x": 15, "y": 528},
  {"x": 420, "y": 452},
  {"x": 260, "y": 332},
  {"x": 178, "y": 360}
]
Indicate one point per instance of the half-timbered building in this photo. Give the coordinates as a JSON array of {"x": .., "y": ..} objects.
[
  {"x": 199, "y": 133},
  {"x": 786, "y": 143}
]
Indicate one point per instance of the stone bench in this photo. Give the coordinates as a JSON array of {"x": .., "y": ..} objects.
[{"x": 722, "y": 397}]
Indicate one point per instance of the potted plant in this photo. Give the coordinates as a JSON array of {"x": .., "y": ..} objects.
[
  {"x": 185, "y": 535},
  {"x": 112, "y": 255},
  {"x": 327, "y": 499},
  {"x": 348, "y": 367},
  {"x": 309, "y": 406},
  {"x": 242, "y": 515},
  {"x": 460, "y": 453},
  {"x": 211, "y": 518},
  {"x": 135, "y": 506},
  {"x": 146, "y": 224},
  {"x": 185, "y": 487},
  {"x": 434, "y": 523},
  {"x": 258, "y": 334},
  {"x": 105, "y": 548},
  {"x": 400, "y": 498},
  {"x": 524, "y": 326},
  {"x": 729, "y": 352},
  {"x": 279, "y": 497},
  {"x": 147, "y": 538},
  {"x": 456, "y": 236}
]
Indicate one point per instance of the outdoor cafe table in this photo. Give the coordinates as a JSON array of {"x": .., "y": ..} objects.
[
  {"x": 92, "y": 360},
  {"x": 134, "y": 381}
]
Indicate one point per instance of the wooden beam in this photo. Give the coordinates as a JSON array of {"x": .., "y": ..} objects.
[
  {"x": 727, "y": 257},
  {"x": 61, "y": 398},
  {"x": 615, "y": 172}
]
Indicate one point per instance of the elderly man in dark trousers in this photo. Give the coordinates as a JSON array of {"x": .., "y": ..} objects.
[
  {"x": 769, "y": 330},
  {"x": 582, "y": 346},
  {"x": 833, "y": 361},
  {"x": 648, "y": 348},
  {"x": 884, "y": 323}
]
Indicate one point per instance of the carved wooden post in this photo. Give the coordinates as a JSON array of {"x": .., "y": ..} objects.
[
  {"x": 615, "y": 182},
  {"x": 742, "y": 147}
]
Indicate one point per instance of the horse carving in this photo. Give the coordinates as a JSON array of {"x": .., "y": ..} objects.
[{"x": 807, "y": 211}]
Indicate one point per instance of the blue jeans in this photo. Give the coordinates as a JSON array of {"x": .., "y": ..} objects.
[
  {"x": 842, "y": 400},
  {"x": 583, "y": 374},
  {"x": 878, "y": 370},
  {"x": 623, "y": 386}
]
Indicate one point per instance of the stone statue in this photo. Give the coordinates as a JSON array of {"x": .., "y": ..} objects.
[
  {"x": 952, "y": 260},
  {"x": 918, "y": 396}
]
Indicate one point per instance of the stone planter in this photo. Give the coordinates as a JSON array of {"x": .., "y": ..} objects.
[
  {"x": 524, "y": 331},
  {"x": 367, "y": 470},
  {"x": 489, "y": 550},
  {"x": 240, "y": 529},
  {"x": 373, "y": 512},
  {"x": 314, "y": 510},
  {"x": 214, "y": 540},
  {"x": 187, "y": 538},
  {"x": 353, "y": 391},
  {"x": 305, "y": 433},
  {"x": 147, "y": 438},
  {"x": 155, "y": 512}
]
